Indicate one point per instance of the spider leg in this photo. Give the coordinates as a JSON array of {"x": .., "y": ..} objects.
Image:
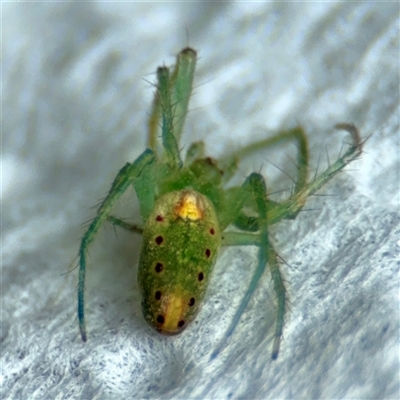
[
  {"x": 292, "y": 206},
  {"x": 289, "y": 209},
  {"x": 125, "y": 225},
  {"x": 277, "y": 211},
  {"x": 124, "y": 178},
  {"x": 280, "y": 292},
  {"x": 154, "y": 124},
  {"x": 256, "y": 185},
  {"x": 251, "y": 239},
  {"x": 297, "y": 134},
  {"x": 195, "y": 151},
  {"x": 182, "y": 81},
  {"x": 171, "y": 103}
]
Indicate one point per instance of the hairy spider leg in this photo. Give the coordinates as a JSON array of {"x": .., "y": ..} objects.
[
  {"x": 179, "y": 86},
  {"x": 182, "y": 83},
  {"x": 280, "y": 291},
  {"x": 288, "y": 209},
  {"x": 297, "y": 134},
  {"x": 291, "y": 207},
  {"x": 256, "y": 185},
  {"x": 195, "y": 152},
  {"x": 125, "y": 177},
  {"x": 249, "y": 223},
  {"x": 169, "y": 141},
  {"x": 125, "y": 225}
]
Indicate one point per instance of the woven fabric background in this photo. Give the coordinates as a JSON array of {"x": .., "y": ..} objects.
[{"x": 76, "y": 96}]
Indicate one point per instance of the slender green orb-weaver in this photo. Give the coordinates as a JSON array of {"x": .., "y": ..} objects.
[{"x": 186, "y": 211}]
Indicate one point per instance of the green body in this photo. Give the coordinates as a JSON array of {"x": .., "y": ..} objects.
[
  {"x": 178, "y": 253},
  {"x": 186, "y": 208}
]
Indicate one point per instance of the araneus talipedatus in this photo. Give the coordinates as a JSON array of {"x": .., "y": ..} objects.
[{"x": 186, "y": 211}]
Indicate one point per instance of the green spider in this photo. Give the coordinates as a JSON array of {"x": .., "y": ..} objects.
[{"x": 186, "y": 211}]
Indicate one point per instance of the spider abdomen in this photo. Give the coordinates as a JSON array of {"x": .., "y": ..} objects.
[{"x": 181, "y": 239}]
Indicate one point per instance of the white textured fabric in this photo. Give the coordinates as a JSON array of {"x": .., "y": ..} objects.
[{"x": 75, "y": 102}]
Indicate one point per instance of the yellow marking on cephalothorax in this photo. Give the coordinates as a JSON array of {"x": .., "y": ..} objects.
[{"x": 190, "y": 207}]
